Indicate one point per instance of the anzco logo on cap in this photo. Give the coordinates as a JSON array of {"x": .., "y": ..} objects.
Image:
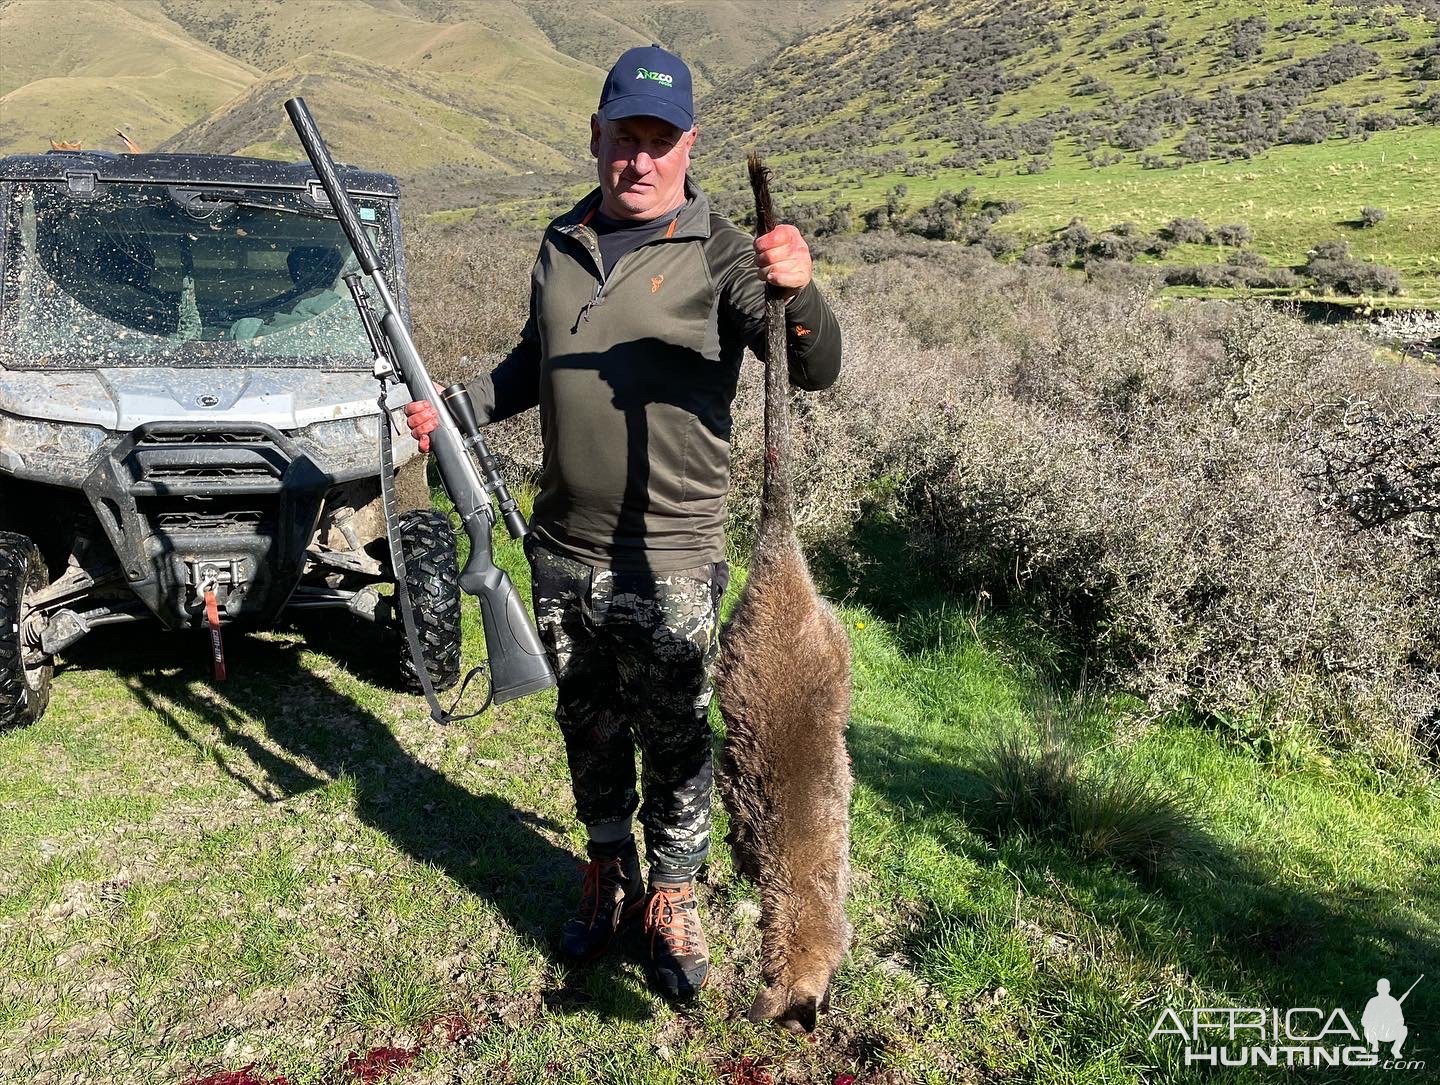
[{"x": 657, "y": 77}]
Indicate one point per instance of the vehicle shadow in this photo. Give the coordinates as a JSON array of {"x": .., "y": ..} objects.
[{"x": 301, "y": 733}]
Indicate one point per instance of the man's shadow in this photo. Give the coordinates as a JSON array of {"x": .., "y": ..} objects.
[
  {"x": 640, "y": 379},
  {"x": 314, "y": 734}
]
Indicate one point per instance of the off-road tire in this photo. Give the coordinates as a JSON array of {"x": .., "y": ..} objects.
[
  {"x": 24, "y": 676},
  {"x": 433, "y": 577}
]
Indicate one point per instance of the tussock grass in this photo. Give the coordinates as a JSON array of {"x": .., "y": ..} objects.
[{"x": 1040, "y": 782}]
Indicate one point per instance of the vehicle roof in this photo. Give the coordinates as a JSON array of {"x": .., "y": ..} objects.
[{"x": 186, "y": 169}]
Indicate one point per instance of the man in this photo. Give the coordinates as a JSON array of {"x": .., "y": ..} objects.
[
  {"x": 642, "y": 302},
  {"x": 1384, "y": 1020}
]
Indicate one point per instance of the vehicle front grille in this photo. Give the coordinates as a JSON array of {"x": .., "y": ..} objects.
[
  {"x": 159, "y": 472},
  {"x": 205, "y": 437},
  {"x": 214, "y": 515},
  {"x": 245, "y": 520}
]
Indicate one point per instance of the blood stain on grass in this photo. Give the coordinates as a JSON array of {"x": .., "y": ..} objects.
[
  {"x": 745, "y": 1071},
  {"x": 246, "y": 1075},
  {"x": 379, "y": 1063},
  {"x": 448, "y": 1028}
]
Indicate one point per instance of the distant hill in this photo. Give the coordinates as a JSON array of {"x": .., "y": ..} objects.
[
  {"x": 944, "y": 117},
  {"x": 1286, "y": 117},
  {"x": 924, "y": 86},
  {"x": 402, "y": 122},
  {"x": 79, "y": 69},
  {"x": 418, "y": 86}
]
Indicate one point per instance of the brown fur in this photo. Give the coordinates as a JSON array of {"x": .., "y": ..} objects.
[
  {"x": 783, "y": 677},
  {"x": 784, "y": 683}
]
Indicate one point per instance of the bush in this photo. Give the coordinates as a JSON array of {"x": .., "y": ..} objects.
[
  {"x": 1186, "y": 231},
  {"x": 1355, "y": 277},
  {"x": 1206, "y": 275},
  {"x": 1235, "y": 235},
  {"x": 470, "y": 295},
  {"x": 1042, "y": 785},
  {"x": 1194, "y": 147},
  {"x": 1337, "y": 249},
  {"x": 1268, "y": 278},
  {"x": 1246, "y": 258},
  {"x": 1143, "y": 479}
]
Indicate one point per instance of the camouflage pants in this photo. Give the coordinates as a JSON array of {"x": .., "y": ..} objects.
[{"x": 632, "y": 652}]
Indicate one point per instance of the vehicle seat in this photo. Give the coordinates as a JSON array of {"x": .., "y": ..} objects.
[{"x": 314, "y": 267}]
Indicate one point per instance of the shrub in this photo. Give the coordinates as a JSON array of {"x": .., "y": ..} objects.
[
  {"x": 1207, "y": 275},
  {"x": 1311, "y": 126},
  {"x": 1268, "y": 278},
  {"x": 1246, "y": 258},
  {"x": 1337, "y": 249},
  {"x": 1141, "y": 478},
  {"x": 1194, "y": 147},
  {"x": 1186, "y": 231},
  {"x": 470, "y": 295},
  {"x": 1354, "y": 277},
  {"x": 1235, "y": 234}
]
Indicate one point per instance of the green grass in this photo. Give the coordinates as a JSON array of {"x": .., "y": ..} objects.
[
  {"x": 297, "y": 865},
  {"x": 1292, "y": 197}
]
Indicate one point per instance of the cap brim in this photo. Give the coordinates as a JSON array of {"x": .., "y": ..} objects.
[{"x": 647, "y": 105}]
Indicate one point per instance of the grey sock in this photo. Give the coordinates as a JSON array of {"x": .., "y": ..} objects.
[{"x": 611, "y": 832}]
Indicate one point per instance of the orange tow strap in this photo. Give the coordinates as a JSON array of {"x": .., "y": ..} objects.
[{"x": 217, "y": 648}]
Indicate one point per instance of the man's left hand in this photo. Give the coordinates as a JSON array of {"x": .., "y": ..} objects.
[{"x": 783, "y": 259}]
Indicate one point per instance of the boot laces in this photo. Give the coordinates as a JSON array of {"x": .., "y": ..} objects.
[
  {"x": 594, "y": 889},
  {"x": 671, "y": 915}
]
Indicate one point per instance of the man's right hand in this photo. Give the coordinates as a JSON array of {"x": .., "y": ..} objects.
[{"x": 422, "y": 420}]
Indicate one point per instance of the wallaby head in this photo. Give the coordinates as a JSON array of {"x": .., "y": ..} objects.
[{"x": 793, "y": 1008}]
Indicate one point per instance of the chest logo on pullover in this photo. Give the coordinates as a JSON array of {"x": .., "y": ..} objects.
[{"x": 655, "y": 281}]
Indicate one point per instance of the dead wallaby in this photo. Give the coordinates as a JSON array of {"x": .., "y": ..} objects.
[{"x": 783, "y": 679}]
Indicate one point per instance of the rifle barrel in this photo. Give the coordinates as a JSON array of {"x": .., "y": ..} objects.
[{"x": 1412, "y": 987}]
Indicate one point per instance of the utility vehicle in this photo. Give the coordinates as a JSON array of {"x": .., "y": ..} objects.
[{"x": 189, "y": 412}]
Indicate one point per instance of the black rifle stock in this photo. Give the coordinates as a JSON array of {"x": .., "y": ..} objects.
[{"x": 517, "y": 660}]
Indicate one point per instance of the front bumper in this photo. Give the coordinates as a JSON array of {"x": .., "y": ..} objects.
[{"x": 230, "y": 503}]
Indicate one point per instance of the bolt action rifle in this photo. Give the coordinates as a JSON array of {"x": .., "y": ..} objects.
[{"x": 517, "y": 661}]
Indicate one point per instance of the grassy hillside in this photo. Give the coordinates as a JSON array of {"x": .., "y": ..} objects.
[
  {"x": 392, "y": 119},
  {"x": 721, "y": 37},
  {"x": 453, "y": 95},
  {"x": 79, "y": 69},
  {"x": 1288, "y": 117}
]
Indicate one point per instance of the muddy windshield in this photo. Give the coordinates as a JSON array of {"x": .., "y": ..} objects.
[{"x": 170, "y": 275}]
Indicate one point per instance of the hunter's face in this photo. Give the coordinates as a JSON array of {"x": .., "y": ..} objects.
[{"x": 642, "y": 163}]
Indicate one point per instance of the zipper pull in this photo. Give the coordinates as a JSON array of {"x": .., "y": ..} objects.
[{"x": 584, "y": 316}]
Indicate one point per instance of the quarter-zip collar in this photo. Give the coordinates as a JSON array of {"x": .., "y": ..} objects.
[{"x": 693, "y": 222}]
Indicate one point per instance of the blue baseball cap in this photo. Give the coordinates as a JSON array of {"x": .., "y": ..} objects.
[{"x": 648, "y": 81}]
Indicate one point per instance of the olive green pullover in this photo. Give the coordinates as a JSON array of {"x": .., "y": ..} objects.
[{"x": 634, "y": 373}]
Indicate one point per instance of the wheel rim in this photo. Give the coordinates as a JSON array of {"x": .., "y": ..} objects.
[{"x": 32, "y": 657}]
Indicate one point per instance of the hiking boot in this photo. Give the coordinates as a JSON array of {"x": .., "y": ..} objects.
[
  {"x": 679, "y": 957},
  {"x": 611, "y": 896}
]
